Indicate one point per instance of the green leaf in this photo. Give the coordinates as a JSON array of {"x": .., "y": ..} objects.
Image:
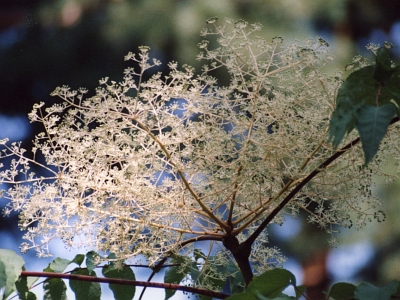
[
  {"x": 10, "y": 268},
  {"x": 392, "y": 89},
  {"x": 236, "y": 282},
  {"x": 231, "y": 268},
  {"x": 203, "y": 297},
  {"x": 78, "y": 259},
  {"x": 92, "y": 260},
  {"x": 212, "y": 276},
  {"x": 342, "y": 291},
  {"x": 280, "y": 297},
  {"x": 176, "y": 274},
  {"x": 54, "y": 289},
  {"x": 366, "y": 291},
  {"x": 372, "y": 124},
  {"x": 269, "y": 284},
  {"x": 111, "y": 256},
  {"x": 272, "y": 282},
  {"x": 376, "y": 85},
  {"x": 121, "y": 292},
  {"x": 58, "y": 265},
  {"x": 300, "y": 291},
  {"x": 198, "y": 254},
  {"x": 383, "y": 70},
  {"x": 356, "y": 91},
  {"x": 397, "y": 294},
  {"x": 22, "y": 288},
  {"x": 85, "y": 290},
  {"x": 242, "y": 296},
  {"x": 31, "y": 296},
  {"x": 3, "y": 275},
  {"x": 261, "y": 297}
]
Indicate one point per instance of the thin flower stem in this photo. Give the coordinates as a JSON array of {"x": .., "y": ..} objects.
[
  {"x": 161, "y": 263},
  {"x": 229, "y": 221},
  {"x": 162, "y": 226},
  {"x": 289, "y": 197}
]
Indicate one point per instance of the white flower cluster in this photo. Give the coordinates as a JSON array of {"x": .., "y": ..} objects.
[{"x": 148, "y": 166}]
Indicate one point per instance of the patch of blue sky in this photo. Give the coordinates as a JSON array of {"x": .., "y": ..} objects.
[
  {"x": 15, "y": 128},
  {"x": 394, "y": 37},
  {"x": 289, "y": 229},
  {"x": 378, "y": 36},
  {"x": 11, "y": 36},
  {"x": 346, "y": 261}
]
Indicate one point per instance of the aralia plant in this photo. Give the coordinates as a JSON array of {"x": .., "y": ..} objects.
[{"x": 144, "y": 169}]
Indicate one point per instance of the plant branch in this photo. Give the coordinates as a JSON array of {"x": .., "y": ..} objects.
[
  {"x": 179, "y": 171},
  {"x": 161, "y": 263},
  {"x": 126, "y": 282},
  {"x": 306, "y": 180},
  {"x": 263, "y": 207}
]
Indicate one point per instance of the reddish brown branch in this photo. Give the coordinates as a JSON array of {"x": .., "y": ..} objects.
[
  {"x": 289, "y": 197},
  {"x": 126, "y": 282},
  {"x": 161, "y": 263}
]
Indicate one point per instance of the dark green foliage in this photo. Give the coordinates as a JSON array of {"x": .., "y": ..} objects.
[
  {"x": 78, "y": 259},
  {"x": 372, "y": 124},
  {"x": 121, "y": 292},
  {"x": 85, "y": 290},
  {"x": 366, "y": 291},
  {"x": 58, "y": 265},
  {"x": 176, "y": 274},
  {"x": 271, "y": 284},
  {"x": 367, "y": 100},
  {"x": 342, "y": 290},
  {"x": 383, "y": 69},
  {"x": 236, "y": 282},
  {"x": 91, "y": 260},
  {"x": 185, "y": 267},
  {"x": 21, "y": 286},
  {"x": 54, "y": 288},
  {"x": 10, "y": 268},
  {"x": 268, "y": 285},
  {"x": 358, "y": 88},
  {"x": 205, "y": 273}
]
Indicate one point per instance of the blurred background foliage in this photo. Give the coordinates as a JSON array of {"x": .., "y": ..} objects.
[{"x": 47, "y": 43}]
